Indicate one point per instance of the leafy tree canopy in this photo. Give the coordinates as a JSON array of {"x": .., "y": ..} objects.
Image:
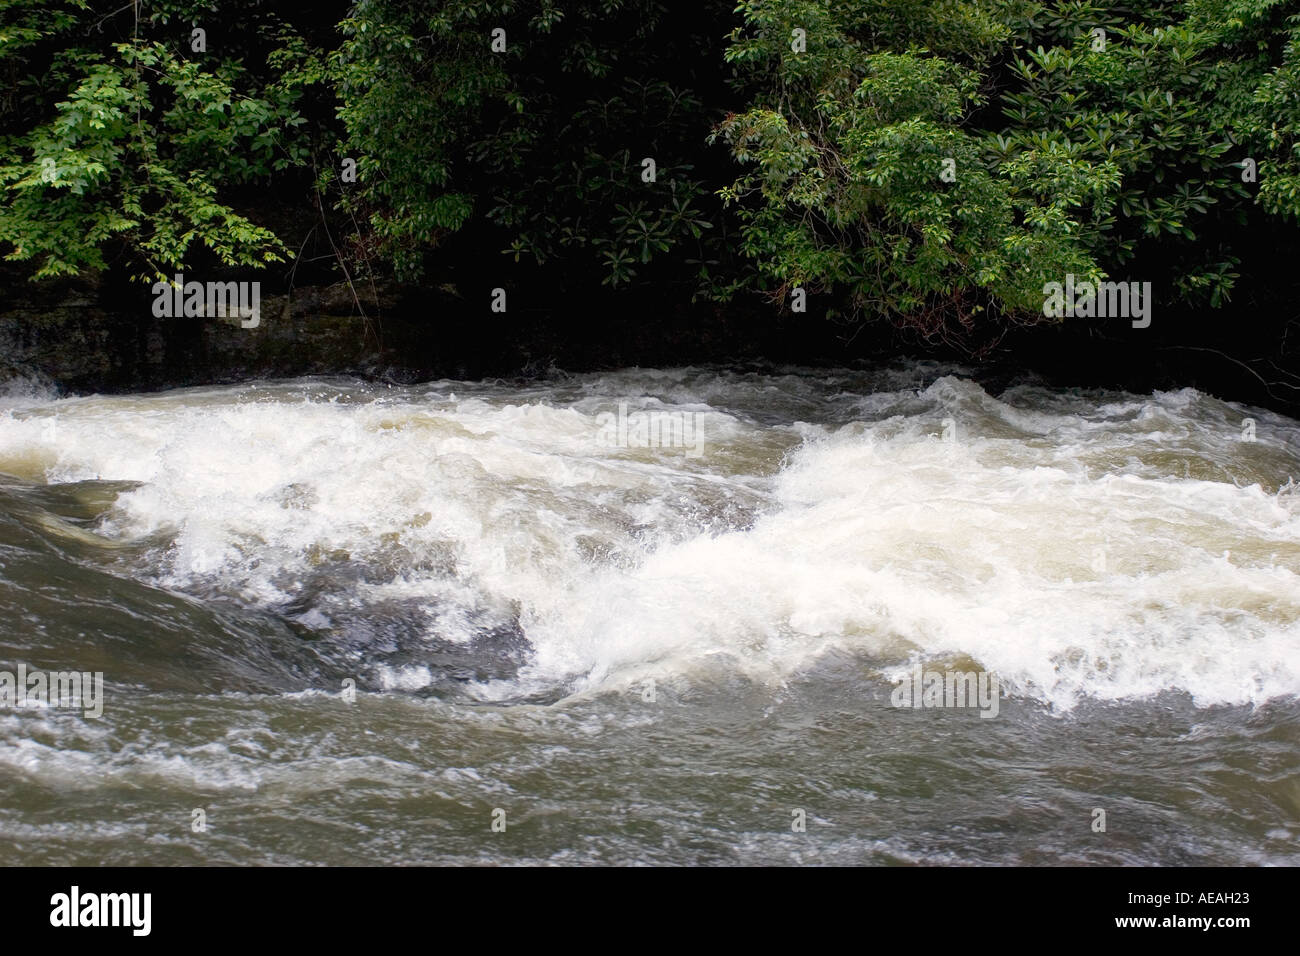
[{"x": 934, "y": 163}]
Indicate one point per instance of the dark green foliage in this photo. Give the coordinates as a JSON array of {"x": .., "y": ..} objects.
[
  {"x": 1071, "y": 154},
  {"x": 542, "y": 141},
  {"x": 934, "y": 163},
  {"x": 120, "y": 136}
]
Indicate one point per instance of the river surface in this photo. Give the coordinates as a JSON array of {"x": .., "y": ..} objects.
[{"x": 349, "y": 623}]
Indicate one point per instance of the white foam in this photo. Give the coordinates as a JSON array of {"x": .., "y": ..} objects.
[{"x": 1061, "y": 542}]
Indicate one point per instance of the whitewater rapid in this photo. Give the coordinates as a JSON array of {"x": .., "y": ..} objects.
[{"x": 1079, "y": 545}]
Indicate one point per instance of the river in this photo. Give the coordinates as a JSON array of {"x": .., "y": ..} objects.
[{"x": 343, "y": 622}]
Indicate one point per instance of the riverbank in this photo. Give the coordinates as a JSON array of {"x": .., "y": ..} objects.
[{"x": 90, "y": 335}]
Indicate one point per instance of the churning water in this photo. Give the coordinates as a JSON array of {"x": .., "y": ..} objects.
[{"x": 651, "y": 654}]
